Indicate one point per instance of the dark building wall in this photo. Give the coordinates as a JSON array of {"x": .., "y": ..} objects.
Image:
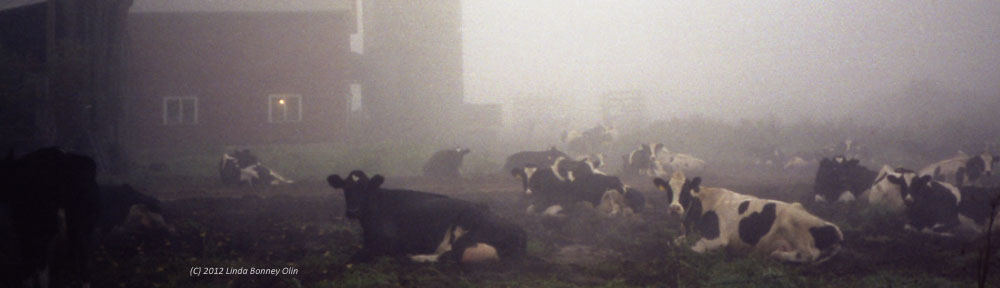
[
  {"x": 413, "y": 58},
  {"x": 232, "y": 62}
]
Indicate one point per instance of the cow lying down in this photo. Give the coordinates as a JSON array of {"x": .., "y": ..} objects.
[
  {"x": 424, "y": 227},
  {"x": 242, "y": 167},
  {"x": 568, "y": 182},
  {"x": 937, "y": 207},
  {"x": 735, "y": 221}
]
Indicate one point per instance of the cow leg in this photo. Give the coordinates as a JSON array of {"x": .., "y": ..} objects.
[{"x": 704, "y": 245}]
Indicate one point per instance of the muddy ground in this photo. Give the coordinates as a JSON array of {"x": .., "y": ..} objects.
[{"x": 301, "y": 226}]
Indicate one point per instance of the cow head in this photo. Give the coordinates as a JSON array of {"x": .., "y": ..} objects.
[
  {"x": 357, "y": 188},
  {"x": 981, "y": 165},
  {"x": 679, "y": 191},
  {"x": 525, "y": 175}
]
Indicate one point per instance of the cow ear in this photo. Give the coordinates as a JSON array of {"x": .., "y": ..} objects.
[
  {"x": 661, "y": 184},
  {"x": 335, "y": 181},
  {"x": 376, "y": 181},
  {"x": 895, "y": 180},
  {"x": 695, "y": 184},
  {"x": 516, "y": 171}
]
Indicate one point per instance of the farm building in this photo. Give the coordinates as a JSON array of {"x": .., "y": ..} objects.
[{"x": 207, "y": 73}]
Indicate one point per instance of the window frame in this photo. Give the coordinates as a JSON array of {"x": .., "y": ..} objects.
[
  {"x": 271, "y": 110},
  {"x": 181, "y": 114}
]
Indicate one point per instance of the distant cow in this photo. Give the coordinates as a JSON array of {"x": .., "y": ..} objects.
[
  {"x": 567, "y": 182},
  {"x": 445, "y": 163},
  {"x": 678, "y": 162},
  {"x": 889, "y": 189},
  {"x": 533, "y": 158},
  {"x": 592, "y": 140},
  {"x": 242, "y": 167},
  {"x": 841, "y": 180},
  {"x": 50, "y": 194},
  {"x": 423, "y": 226},
  {"x": 123, "y": 207},
  {"x": 642, "y": 160},
  {"x": 963, "y": 169},
  {"x": 728, "y": 219}
]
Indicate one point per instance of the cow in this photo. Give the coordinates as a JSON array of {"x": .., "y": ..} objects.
[
  {"x": 643, "y": 160},
  {"x": 51, "y": 198},
  {"x": 122, "y": 207},
  {"x": 445, "y": 163},
  {"x": 567, "y": 182},
  {"x": 889, "y": 189},
  {"x": 678, "y": 162},
  {"x": 424, "y": 227},
  {"x": 533, "y": 158},
  {"x": 242, "y": 167},
  {"x": 842, "y": 180},
  {"x": 939, "y": 208},
  {"x": 963, "y": 169},
  {"x": 592, "y": 140},
  {"x": 726, "y": 219}
]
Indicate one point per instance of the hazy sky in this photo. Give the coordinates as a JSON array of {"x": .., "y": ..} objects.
[{"x": 755, "y": 57}]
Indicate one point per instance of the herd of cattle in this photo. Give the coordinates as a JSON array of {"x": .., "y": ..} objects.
[{"x": 54, "y": 206}]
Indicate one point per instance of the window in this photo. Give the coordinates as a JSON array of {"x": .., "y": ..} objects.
[
  {"x": 284, "y": 108},
  {"x": 180, "y": 110}
]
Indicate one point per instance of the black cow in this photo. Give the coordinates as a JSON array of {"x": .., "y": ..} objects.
[
  {"x": 50, "y": 194},
  {"x": 445, "y": 163},
  {"x": 841, "y": 180},
  {"x": 533, "y": 158},
  {"x": 424, "y": 226},
  {"x": 643, "y": 161}
]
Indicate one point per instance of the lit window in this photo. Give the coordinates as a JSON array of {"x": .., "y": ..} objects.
[
  {"x": 284, "y": 108},
  {"x": 180, "y": 110}
]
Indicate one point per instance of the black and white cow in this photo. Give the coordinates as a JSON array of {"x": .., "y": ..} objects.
[
  {"x": 963, "y": 169},
  {"x": 533, "y": 158},
  {"x": 726, "y": 219},
  {"x": 242, "y": 167},
  {"x": 51, "y": 199},
  {"x": 423, "y": 226},
  {"x": 567, "y": 182},
  {"x": 592, "y": 140},
  {"x": 939, "y": 208},
  {"x": 841, "y": 180},
  {"x": 445, "y": 163},
  {"x": 643, "y": 160}
]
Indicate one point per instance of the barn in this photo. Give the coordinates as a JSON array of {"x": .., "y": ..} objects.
[{"x": 237, "y": 73}]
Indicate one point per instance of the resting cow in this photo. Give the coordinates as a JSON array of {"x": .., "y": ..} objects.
[
  {"x": 841, "y": 180},
  {"x": 445, "y": 163},
  {"x": 424, "y": 226},
  {"x": 643, "y": 160},
  {"x": 568, "y": 182},
  {"x": 735, "y": 221},
  {"x": 533, "y": 158},
  {"x": 241, "y": 166},
  {"x": 963, "y": 170},
  {"x": 592, "y": 140},
  {"x": 940, "y": 208}
]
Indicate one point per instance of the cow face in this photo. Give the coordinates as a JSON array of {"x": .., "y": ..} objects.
[
  {"x": 356, "y": 188},
  {"x": 525, "y": 175},
  {"x": 679, "y": 192},
  {"x": 981, "y": 165}
]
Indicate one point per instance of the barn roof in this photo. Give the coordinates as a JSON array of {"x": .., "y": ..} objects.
[
  {"x": 11, "y": 4},
  {"x": 240, "y": 5}
]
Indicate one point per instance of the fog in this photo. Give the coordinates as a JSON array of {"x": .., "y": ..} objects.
[{"x": 735, "y": 59}]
